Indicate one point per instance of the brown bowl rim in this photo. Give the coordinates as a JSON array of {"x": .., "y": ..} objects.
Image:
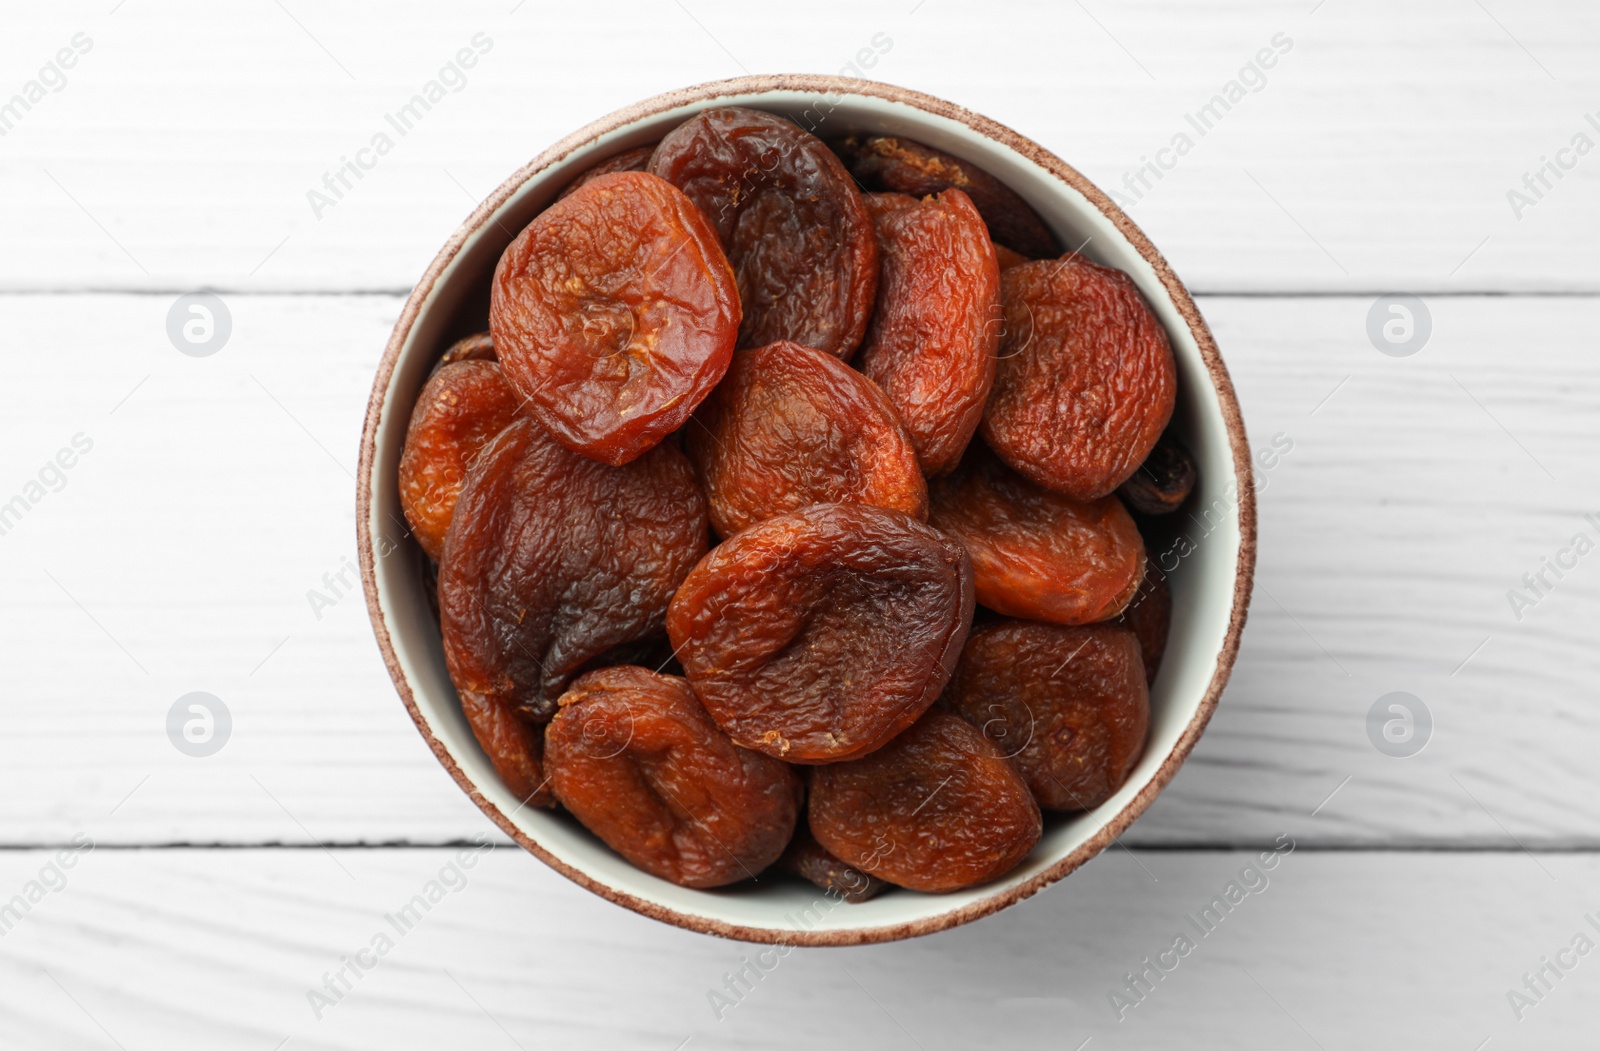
[{"x": 1227, "y": 403}]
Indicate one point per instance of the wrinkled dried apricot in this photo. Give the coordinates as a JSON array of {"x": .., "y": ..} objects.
[
  {"x": 553, "y": 559},
  {"x": 937, "y": 809},
  {"x": 1149, "y": 616},
  {"x": 1069, "y": 706},
  {"x": 637, "y": 761},
  {"x": 1163, "y": 482},
  {"x": 807, "y": 859},
  {"x": 818, "y": 635},
  {"x": 885, "y": 162},
  {"x": 634, "y": 160},
  {"x": 1085, "y": 381},
  {"x": 1038, "y": 554},
  {"x": 931, "y": 345},
  {"x": 614, "y": 313},
  {"x": 514, "y": 747},
  {"x": 791, "y": 220},
  {"x": 791, "y": 426},
  {"x": 460, "y": 410},
  {"x": 1008, "y": 258},
  {"x": 476, "y": 347}
]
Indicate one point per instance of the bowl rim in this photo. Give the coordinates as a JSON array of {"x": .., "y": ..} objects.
[{"x": 1181, "y": 300}]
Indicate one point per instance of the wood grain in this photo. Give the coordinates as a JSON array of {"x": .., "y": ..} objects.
[{"x": 180, "y": 553}]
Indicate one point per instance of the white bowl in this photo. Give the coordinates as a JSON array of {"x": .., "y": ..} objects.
[{"x": 1210, "y": 582}]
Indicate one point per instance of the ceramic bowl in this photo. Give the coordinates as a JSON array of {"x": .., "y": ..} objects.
[{"x": 1209, "y": 563}]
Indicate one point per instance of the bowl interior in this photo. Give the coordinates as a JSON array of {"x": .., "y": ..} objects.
[{"x": 1202, "y": 559}]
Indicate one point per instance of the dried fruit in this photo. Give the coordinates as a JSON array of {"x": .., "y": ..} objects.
[
  {"x": 1149, "y": 616},
  {"x": 1085, "y": 381},
  {"x": 477, "y": 347},
  {"x": 1163, "y": 482},
  {"x": 1069, "y": 706},
  {"x": 791, "y": 220},
  {"x": 884, "y": 162},
  {"x": 931, "y": 345},
  {"x": 553, "y": 559},
  {"x": 460, "y": 410},
  {"x": 818, "y": 635},
  {"x": 1038, "y": 554},
  {"x": 1007, "y": 258},
  {"x": 512, "y": 745},
  {"x": 634, "y": 160},
  {"x": 807, "y": 859},
  {"x": 614, "y": 313},
  {"x": 791, "y": 426},
  {"x": 937, "y": 809},
  {"x": 635, "y": 758}
]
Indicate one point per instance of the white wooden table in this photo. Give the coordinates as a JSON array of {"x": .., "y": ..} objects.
[{"x": 209, "y": 498}]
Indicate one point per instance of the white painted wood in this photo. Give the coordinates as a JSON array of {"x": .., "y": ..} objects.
[
  {"x": 1378, "y": 154},
  {"x": 215, "y": 948},
  {"x": 216, "y": 495}
]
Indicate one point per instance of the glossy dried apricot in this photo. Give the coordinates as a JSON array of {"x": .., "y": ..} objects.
[
  {"x": 460, "y": 410},
  {"x": 614, "y": 313},
  {"x": 1164, "y": 481},
  {"x": 553, "y": 559},
  {"x": 637, "y": 761},
  {"x": 1149, "y": 616},
  {"x": 937, "y": 809},
  {"x": 818, "y": 635},
  {"x": 1008, "y": 258},
  {"x": 931, "y": 345},
  {"x": 791, "y": 220},
  {"x": 807, "y": 859},
  {"x": 791, "y": 426},
  {"x": 1069, "y": 706},
  {"x": 884, "y": 162},
  {"x": 634, "y": 160},
  {"x": 514, "y": 747},
  {"x": 1037, "y": 554},
  {"x": 1085, "y": 381},
  {"x": 477, "y": 347}
]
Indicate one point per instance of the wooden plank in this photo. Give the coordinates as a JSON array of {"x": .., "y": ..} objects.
[
  {"x": 209, "y": 948},
  {"x": 180, "y": 551},
  {"x": 1376, "y": 152}
]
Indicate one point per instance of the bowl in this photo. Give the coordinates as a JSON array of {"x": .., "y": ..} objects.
[{"x": 1210, "y": 565}]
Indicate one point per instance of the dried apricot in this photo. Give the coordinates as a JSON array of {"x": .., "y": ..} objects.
[
  {"x": 1149, "y": 616},
  {"x": 614, "y": 313},
  {"x": 1163, "y": 482},
  {"x": 807, "y": 859},
  {"x": 816, "y": 636},
  {"x": 931, "y": 345},
  {"x": 553, "y": 559},
  {"x": 1035, "y": 553},
  {"x": 476, "y": 347},
  {"x": 1085, "y": 381},
  {"x": 1069, "y": 706},
  {"x": 937, "y": 809},
  {"x": 634, "y": 160},
  {"x": 791, "y": 220},
  {"x": 792, "y": 426},
  {"x": 637, "y": 761},
  {"x": 460, "y": 410},
  {"x": 1007, "y": 258},
  {"x": 513, "y": 746},
  {"x": 885, "y": 162}
]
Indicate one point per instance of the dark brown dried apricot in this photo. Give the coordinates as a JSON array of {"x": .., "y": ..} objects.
[
  {"x": 553, "y": 559},
  {"x": 460, "y": 410},
  {"x": 1085, "y": 381},
  {"x": 791, "y": 220},
  {"x": 1149, "y": 616},
  {"x": 1038, "y": 554},
  {"x": 1069, "y": 706},
  {"x": 791, "y": 426},
  {"x": 614, "y": 313},
  {"x": 634, "y": 160},
  {"x": 931, "y": 345},
  {"x": 885, "y": 162},
  {"x": 476, "y": 347},
  {"x": 937, "y": 809},
  {"x": 807, "y": 859},
  {"x": 513, "y": 746},
  {"x": 639, "y": 763},
  {"x": 818, "y": 635},
  {"x": 1164, "y": 481}
]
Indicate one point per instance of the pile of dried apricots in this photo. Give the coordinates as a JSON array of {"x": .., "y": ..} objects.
[{"x": 865, "y": 368}]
